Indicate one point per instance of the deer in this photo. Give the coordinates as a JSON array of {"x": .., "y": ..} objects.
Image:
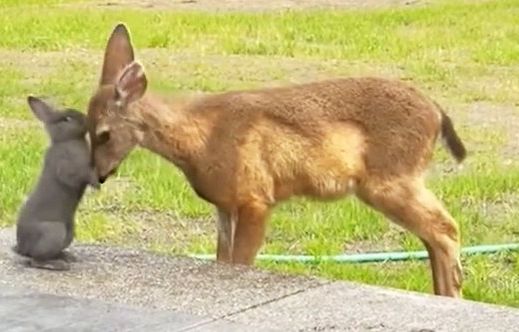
[{"x": 246, "y": 151}]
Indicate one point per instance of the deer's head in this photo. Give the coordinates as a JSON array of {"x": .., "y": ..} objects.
[{"x": 113, "y": 130}]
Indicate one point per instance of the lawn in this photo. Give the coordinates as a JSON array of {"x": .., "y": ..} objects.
[{"x": 464, "y": 55}]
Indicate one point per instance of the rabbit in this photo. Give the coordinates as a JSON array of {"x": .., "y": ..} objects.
[{"x": 45, "y": 225}]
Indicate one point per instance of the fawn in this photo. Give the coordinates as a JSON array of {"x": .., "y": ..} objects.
[{"x": 245, "y": 151}]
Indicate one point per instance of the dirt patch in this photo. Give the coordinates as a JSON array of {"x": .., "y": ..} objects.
[
  {"x": 389, "y": 241},
  {"x": 124, "y": 225},
  {"x": 258, "y": 5},
  {"x": 36, "y": 66},
  {"x": 167, "y": 231},
  {"x": 234, "y": 71},
  {"x": 218, "y": 72}
]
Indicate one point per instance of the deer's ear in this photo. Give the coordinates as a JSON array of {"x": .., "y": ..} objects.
[
  {"x": 131, "y": 84},
  {"x": 118, "y": 54},
  {"x": 40, "y": 109}
]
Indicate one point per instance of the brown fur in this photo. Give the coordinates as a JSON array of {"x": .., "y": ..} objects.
[{"x": 245, "y": 151}]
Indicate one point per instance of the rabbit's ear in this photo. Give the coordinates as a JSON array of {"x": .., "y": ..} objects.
[{"x": 41, "y": 109}]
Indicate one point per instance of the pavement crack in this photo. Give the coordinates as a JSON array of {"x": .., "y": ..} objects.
[{"x": 253, "y": 306}]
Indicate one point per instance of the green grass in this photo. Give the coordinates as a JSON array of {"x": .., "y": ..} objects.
[{"x": 456, "y": 52}]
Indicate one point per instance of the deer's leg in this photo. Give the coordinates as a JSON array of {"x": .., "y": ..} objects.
[
  {"x": 411, "y": 205},
  {"x": 250, "y": 232},
  {"x": 434, "y": 267},
  {"x": 226, "y": 227}
]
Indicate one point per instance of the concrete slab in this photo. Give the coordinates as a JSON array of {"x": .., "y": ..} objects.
[
  {"x": 342, "y": 306},
  {"x": 139, "y": 278},
  {"x": 22, "y": 310},
  {"x": 259, "y": 300}
]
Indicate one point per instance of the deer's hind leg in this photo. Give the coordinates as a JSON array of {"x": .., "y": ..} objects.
[
  {"x": 410, "y": 204},
  {"x": 226, "y": 228}
]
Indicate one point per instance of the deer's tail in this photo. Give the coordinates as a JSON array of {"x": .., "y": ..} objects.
[{"x": 451, "y": 139}]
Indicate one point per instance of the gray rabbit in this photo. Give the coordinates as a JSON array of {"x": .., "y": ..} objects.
[{"x": 45, "y": 225}]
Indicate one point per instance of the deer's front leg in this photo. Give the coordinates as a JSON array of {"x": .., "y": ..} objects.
[
  {"x": 226, "y": 226},
  {"x": 250, "y": 232}
]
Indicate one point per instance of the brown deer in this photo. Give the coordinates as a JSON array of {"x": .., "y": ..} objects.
[{"x": 245, "y": 151}]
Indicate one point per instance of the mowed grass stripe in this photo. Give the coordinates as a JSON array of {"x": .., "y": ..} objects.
[{"x": 485, "y": 32}]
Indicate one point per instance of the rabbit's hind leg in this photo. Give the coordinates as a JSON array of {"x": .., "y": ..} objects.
[{"x": 47, "y": 250}]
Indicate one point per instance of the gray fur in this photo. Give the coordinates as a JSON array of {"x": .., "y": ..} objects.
[{"x": 45, "y": 225}]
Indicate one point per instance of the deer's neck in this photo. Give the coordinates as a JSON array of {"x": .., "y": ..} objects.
[{"x": 170, "y": 130}]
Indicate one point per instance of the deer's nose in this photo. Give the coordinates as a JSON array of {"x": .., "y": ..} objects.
[{"x": 102, "y": 178}]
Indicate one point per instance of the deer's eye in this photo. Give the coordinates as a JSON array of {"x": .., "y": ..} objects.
[{"x": 103, "y": 137}]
